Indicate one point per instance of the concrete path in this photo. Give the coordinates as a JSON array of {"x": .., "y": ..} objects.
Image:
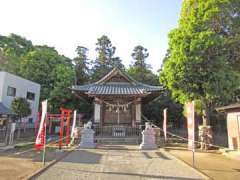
[{"x": 120, "y": 162}]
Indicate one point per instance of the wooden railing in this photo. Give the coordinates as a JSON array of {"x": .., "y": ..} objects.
[{"x": 117, "y": 131}]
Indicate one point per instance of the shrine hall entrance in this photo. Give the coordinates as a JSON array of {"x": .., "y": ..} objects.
[
  {"x": 117, "y": 116},
  {"x": 117, "y": 100}
]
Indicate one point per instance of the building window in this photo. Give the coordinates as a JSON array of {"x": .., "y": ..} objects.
[
  {"x": 11, "y": 91},
  {"x": 30, "y": 96},
  {"x": 30, "y": 120}
]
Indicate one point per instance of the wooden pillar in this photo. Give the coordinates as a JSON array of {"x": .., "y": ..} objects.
[
  {"x": 61, "y": 129},
  {"x": 68, "y": 127},
  {"x": 97, "y": 112},
  {"x": 138, "y": 110}
]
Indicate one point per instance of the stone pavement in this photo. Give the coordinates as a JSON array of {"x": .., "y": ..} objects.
[{"x": 120, "y": 162}]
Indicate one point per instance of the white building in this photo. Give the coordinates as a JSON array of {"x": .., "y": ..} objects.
[{"x": 12, "y": 86}]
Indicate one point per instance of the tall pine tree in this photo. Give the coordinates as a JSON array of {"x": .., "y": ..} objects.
[
  {"x": 105, "y": 60},
  {"x": 140, "y": 70},
  {"x": 81, "y": 65}
]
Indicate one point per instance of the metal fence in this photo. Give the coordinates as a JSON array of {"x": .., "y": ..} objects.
[{"x": 117, "y": 131}]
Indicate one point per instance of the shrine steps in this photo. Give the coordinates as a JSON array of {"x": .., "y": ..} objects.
[{"x": 118, "y": 140}]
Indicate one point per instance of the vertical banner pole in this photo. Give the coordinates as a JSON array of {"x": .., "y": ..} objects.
[
  {"x": 44, "y": 146},
  {"x": 193, "y": 135},
  {"x": 165, "y": 124},
  {"x": 74, "y": 122}
]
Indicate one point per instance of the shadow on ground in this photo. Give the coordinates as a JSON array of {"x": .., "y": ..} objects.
[
  {"x": 33, "y": 155},
  {"x": 86, "y": 157}
]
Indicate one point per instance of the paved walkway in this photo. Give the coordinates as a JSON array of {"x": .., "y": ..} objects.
[{"x": 120, "y": 162}]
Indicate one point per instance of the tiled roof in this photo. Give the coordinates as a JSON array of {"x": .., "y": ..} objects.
[
  {"x": 104, "y": 87},
  {"x": 4, "y": 110},
  {"x": 116, "y": 89}
]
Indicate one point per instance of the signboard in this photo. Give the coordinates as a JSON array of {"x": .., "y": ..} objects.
[{"x": 190, "y": 124}]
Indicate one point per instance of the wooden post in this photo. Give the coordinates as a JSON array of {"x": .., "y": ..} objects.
[
  {"x": 61, "y": 129},
  {"x": 68, "y": 127}
]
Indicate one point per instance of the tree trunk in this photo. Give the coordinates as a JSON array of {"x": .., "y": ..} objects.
[
  {"x": 205, "y": 115},
  {"x": 19, "y": 128}
]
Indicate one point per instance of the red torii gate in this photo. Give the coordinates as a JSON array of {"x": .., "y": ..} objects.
[
  {"x": 48, "y": 121},
  {"x": 64, "y": 112}
]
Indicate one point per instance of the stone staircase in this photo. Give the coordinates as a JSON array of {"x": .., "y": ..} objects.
[{"x": 118, "y": 140}]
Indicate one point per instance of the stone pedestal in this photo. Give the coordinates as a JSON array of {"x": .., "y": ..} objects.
[
  {"x": 87, "y": 138},
  {"x": 148, "y": 139},
  {"x": 205, "y": 137}
]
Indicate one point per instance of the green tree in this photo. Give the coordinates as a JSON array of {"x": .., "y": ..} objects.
[
  {"x": 117, "y": 62},
  {"x": 197, "y": 66},
  {"x": 52, "y": 71},
  {"x": 21, "y": 107},
  {"x": 105, "y": 60},
  {"x": 140, "y": 70},
  {"x": 60, "y": 95},
  {"x": 154, "y": 110},
  {"x": 81, "y": 65},
  {"x": 143, "y": 75},
  {"x": 105, "y": 50},
  {"x": 140, "y": 54},
  {"x": 13, "y": 48},
  {"x": 3, "y": 61}
]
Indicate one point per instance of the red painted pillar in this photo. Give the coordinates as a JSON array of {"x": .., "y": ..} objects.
[
  {"x": 68, "y": 127},
  {"x": 61, "y": 129}
]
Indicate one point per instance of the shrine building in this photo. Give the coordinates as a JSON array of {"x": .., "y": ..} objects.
[{"x": 117, "y": 98}]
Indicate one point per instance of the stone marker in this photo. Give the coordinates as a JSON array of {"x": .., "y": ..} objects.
[
  {"x": 87, "y": 137},
  {"x": 148, "y": 138}
]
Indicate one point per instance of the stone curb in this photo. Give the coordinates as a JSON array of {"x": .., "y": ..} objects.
[
  {"x": 41, "y": 170},
  {"x": 189, "y": 165}
]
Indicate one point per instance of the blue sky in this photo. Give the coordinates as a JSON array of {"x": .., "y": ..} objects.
[{"x": 65, "y": 24}]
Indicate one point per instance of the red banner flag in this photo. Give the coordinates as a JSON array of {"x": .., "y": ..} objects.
[
  {"x": 40, "y": 139},
  {"x": 191, "y": 124}
]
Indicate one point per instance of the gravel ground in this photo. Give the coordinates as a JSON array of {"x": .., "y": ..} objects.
[{"x": 123, "y": 162}]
